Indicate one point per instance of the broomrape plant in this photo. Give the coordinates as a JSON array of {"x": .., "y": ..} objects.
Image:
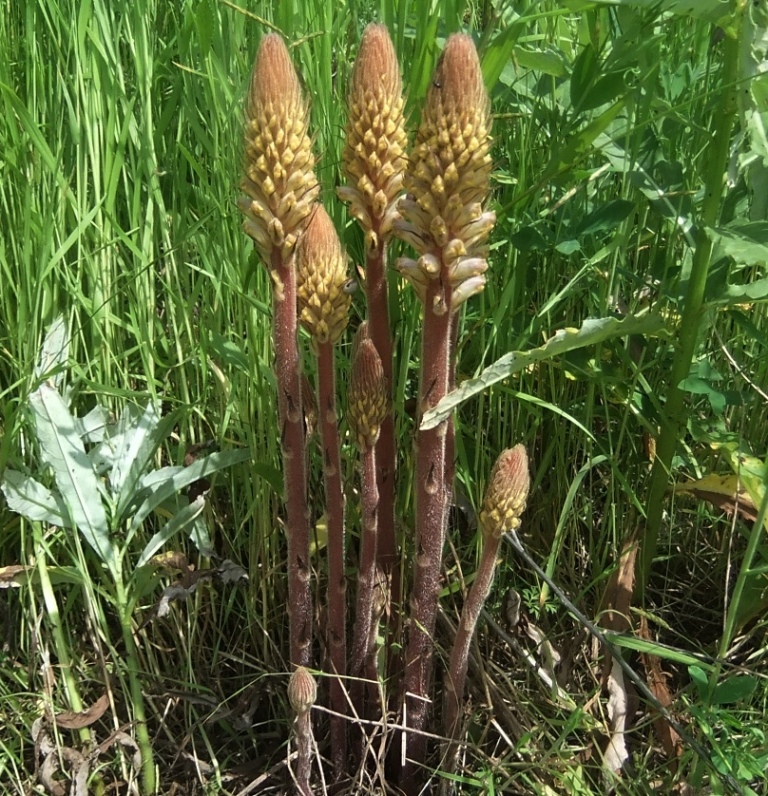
[{"x": 443, "y": 216}]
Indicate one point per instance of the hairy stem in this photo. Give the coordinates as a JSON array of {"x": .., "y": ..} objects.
[
  {"x": 366, "y": 580},
  {"x": 431, "y": 516},
  {"x": 288, "y": 373},
  {"x": 378, "y": 323},
  {"x": 334, "y": 506},
  {"x": 456, "y": 676},
  {"x": 303, "y": 753}
]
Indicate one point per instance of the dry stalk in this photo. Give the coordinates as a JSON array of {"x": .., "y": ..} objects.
[
  {"x": 374, "y": 163},
  {"x": 281, "y": 189},
  {"x": 447, "y": 181},
  {"x": 324, "y": 308}
]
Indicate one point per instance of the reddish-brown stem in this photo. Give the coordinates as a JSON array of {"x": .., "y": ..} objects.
[
  {"x": 366, "y": 581},
  {"x": 334, "y": 508},
  {"x": 456, "y": 676},
  {"x": 377, "y": 294},
  {"x": 431, "y": 516},
  {"x": 288, "y": 374},
  {"x": 378, "y": 324}
]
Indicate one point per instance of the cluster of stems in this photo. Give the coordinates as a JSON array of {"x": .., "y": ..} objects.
[{"x": 433, "y": 198}]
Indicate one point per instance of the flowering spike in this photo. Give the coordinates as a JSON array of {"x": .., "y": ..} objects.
[
  {"x": 367, "y": 391},
  {"x": 374, "y": 154},
  {"x": 448, "y": 177},
  {"x": 279, "y": 164},
  {"x": 322, "y": 279}
]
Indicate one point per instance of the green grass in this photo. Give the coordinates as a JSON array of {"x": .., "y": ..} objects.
[{"x": 120, "y": 154}]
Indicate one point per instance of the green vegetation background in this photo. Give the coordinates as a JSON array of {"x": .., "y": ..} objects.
[{"x": 120, "y": 154}]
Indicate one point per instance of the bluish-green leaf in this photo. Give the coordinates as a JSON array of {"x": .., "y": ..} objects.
[
  {"x": 62, "y": 448},
  {"x": 592, "y": 331},
  {"x": 54, "y": 352},
  {"x": 167, "y": 481},
  {"x": 34, "y": 501},
  {"x": 177, "y": 523}
]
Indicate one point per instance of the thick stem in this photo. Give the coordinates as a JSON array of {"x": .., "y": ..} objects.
[
  {"x": 378, "y": 324},
  {"x": 288, "y": 374},
  {"x": 674, "y": 410},
  {"x": 431, "y": 516},
  {"x": 366, "y": 581},
  {"x": 303, "y": 753},
  {"x": 456, "y": 676},
  {"x": 334, "y": 507}
]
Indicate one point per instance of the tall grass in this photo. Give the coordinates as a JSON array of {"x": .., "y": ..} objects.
[{"x": 120, "y": 153}]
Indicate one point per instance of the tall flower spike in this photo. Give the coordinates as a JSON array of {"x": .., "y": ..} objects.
[
  {"x": 280, "y": 182},
  {"x": 374, "y": 153},
  {"x": 447, "y": 180},
  {"x": 367, "y": 391},
  {"x": 506, "y": 493},
  {"x": 322, "y": 282}
]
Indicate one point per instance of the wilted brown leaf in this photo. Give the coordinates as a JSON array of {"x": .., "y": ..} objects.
[
  {"x": 725, "y": 492},
  {"x": 70, "y": 720},
  {"x": 13, "y": 575},
  {"x": 657, "y": 681}
]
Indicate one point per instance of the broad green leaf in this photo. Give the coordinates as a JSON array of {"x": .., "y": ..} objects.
[
  {"x": 62, "y": 448},
  {"x": 585, "y": 69},
  {"x": 545, "y": 61},
  {"x": 229, "y": 353},
  {"x": 746, "y": 243},
  {"x": 167, "y": 481},
  {"x": 32, "y": 500},
  {"x": 700, "y": 679},
  {"x": 592, "y": 331},
  {"x": 498, "y": 53},
  {"x": 734, "y": 689},
  {"x": 630, "y": 642},
  {"x": 54, "y": 352},
  {"x": 709, "y": 10},
  {"x": 603, "y": 219},
  {"x": 177, "y": 523}
]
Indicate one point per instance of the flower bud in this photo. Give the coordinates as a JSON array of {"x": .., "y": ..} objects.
[{"x": 506, "y": 493}]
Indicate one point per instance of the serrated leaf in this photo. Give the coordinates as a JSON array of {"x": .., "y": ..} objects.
[
  {"x": 592, "y": 331},
  {"x": 32, "y": 500},
  {"x": 167, "y": 481},
  {"x": 62, "y": 448},
  {"x": 177, "y": 523}
]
